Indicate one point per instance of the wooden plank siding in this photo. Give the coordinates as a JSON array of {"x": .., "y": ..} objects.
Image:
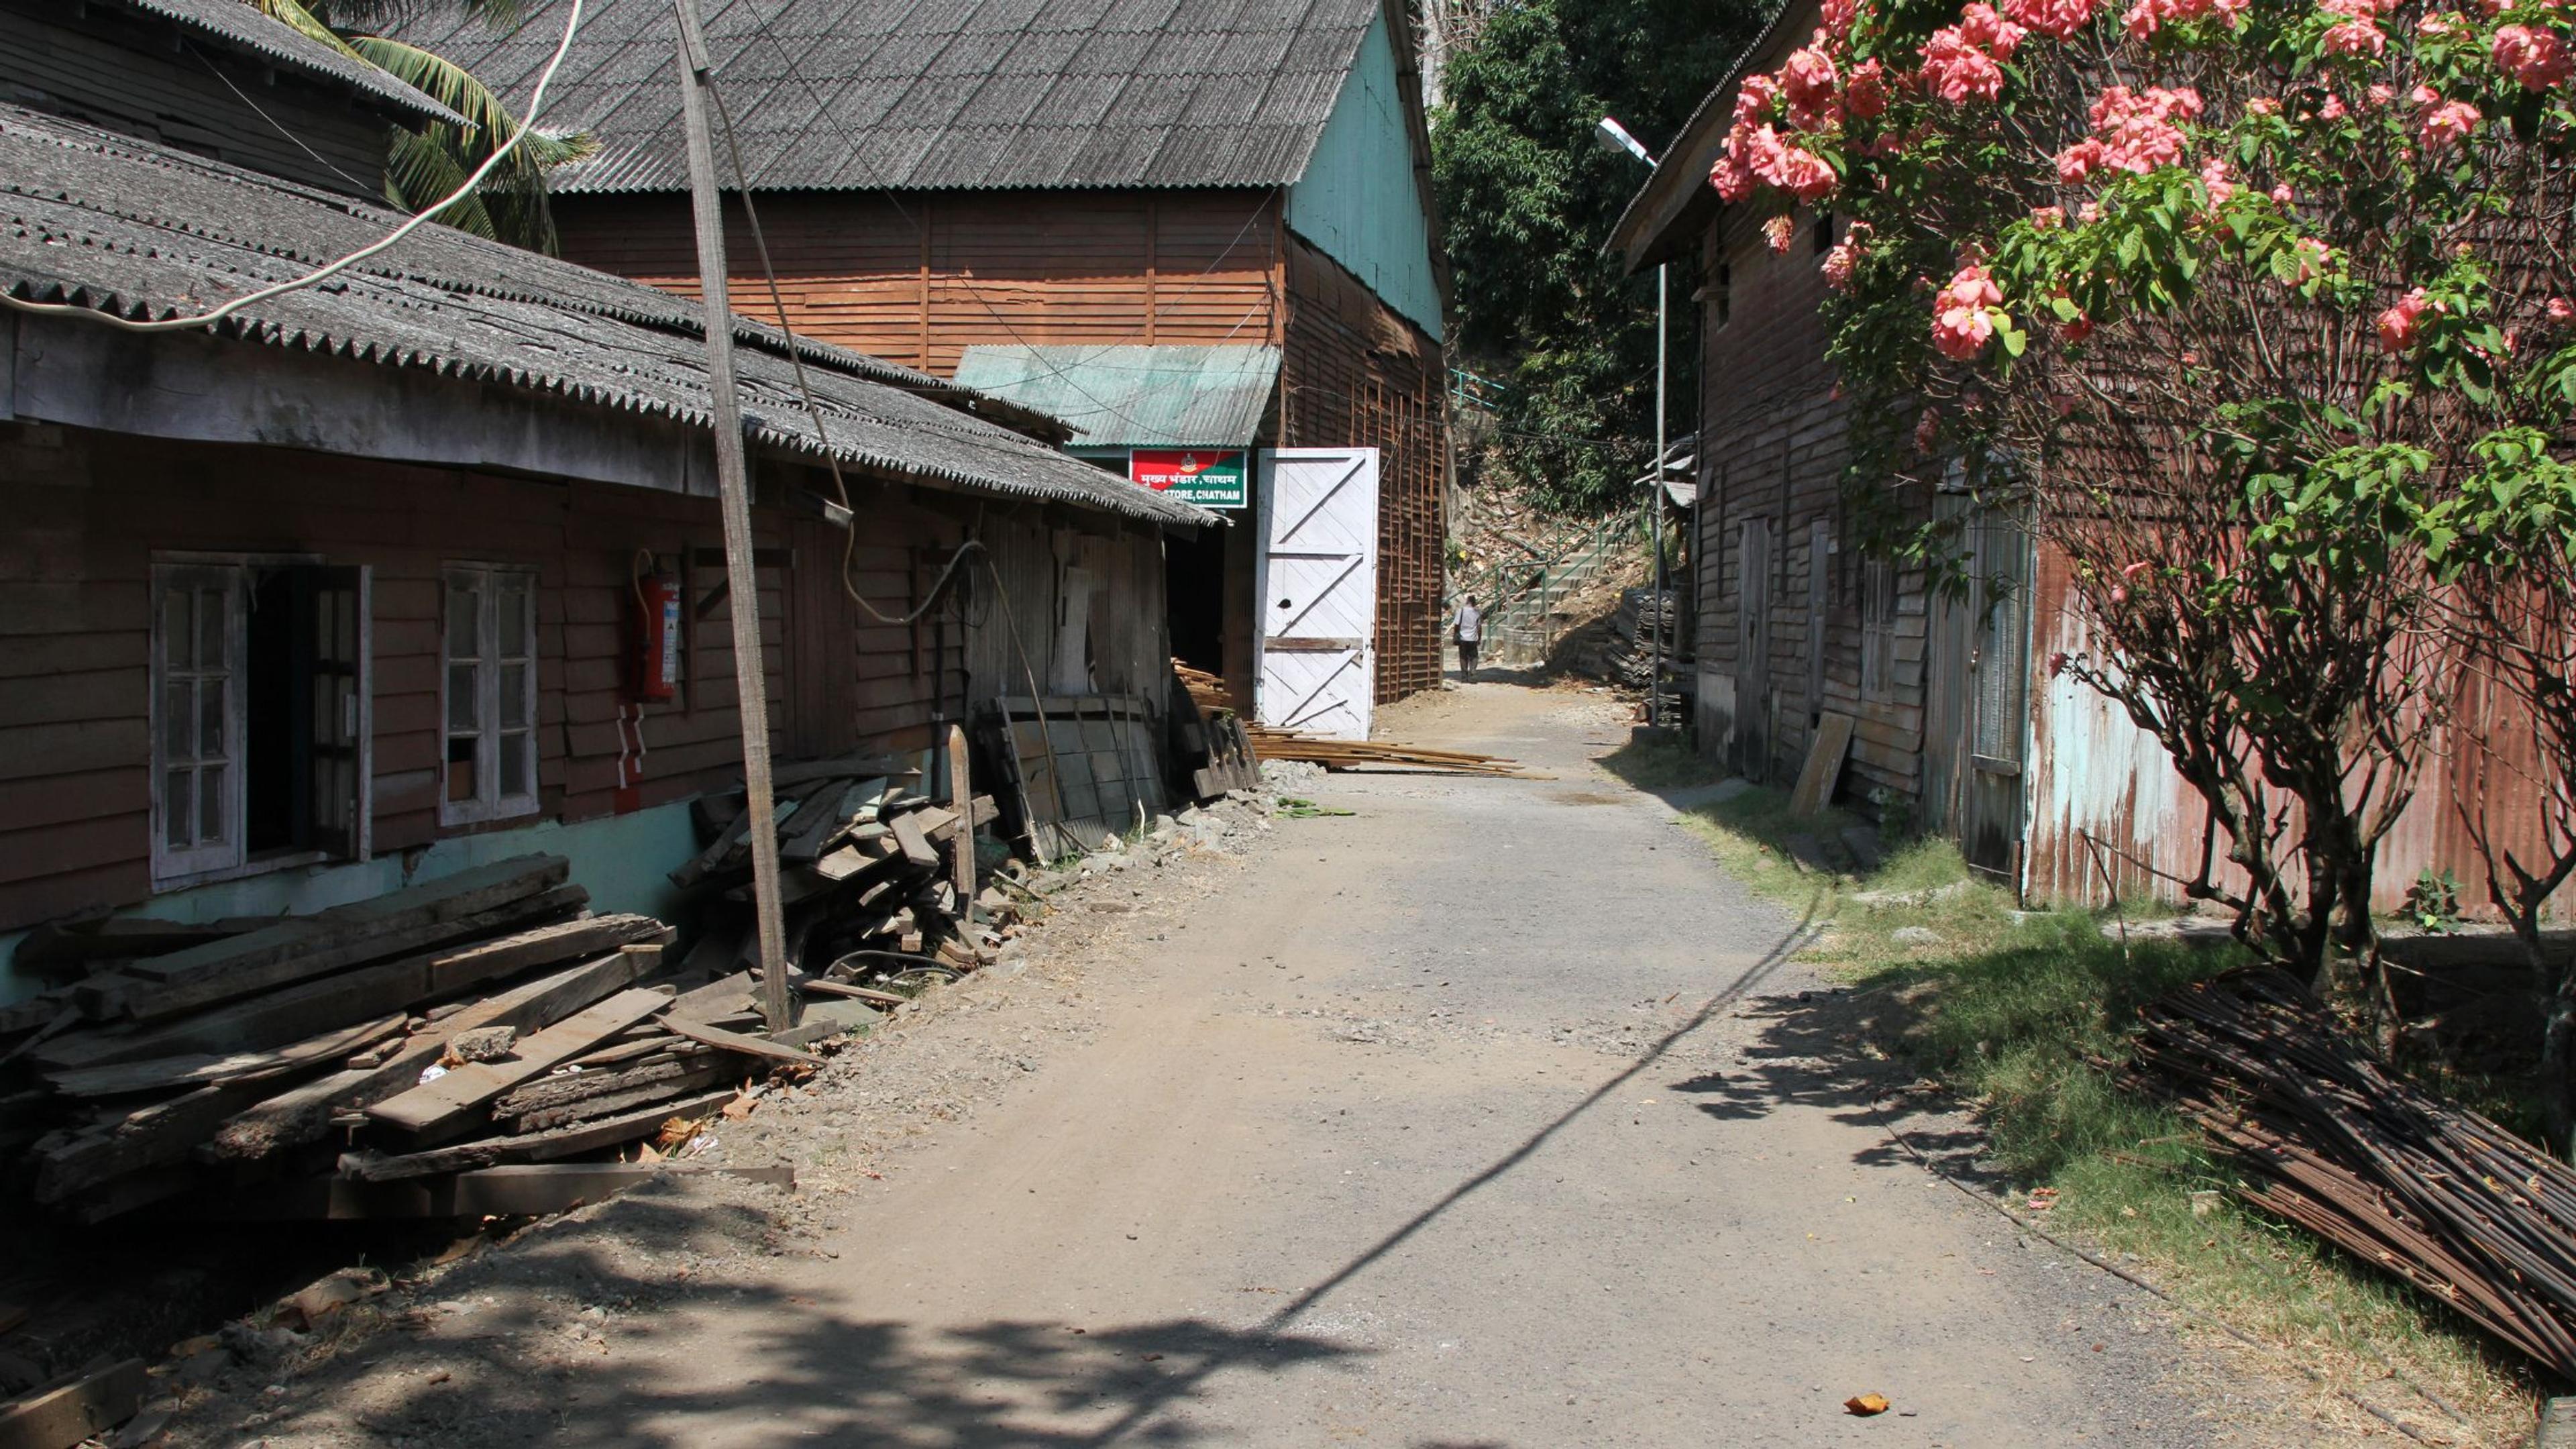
[
  {"x": 1773, "y": 451},
  {"x": 1356, "y": 372},
  {"x": 120, "y": 71},
  {"x": 90, "y": 511},
  {"x": 920, "y": 278}
]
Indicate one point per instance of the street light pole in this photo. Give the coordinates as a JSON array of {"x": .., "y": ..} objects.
[
  {"x": 1615, "y": 138},
  {"x": 1663, "y": 609}
]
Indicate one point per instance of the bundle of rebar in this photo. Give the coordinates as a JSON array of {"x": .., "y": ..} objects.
[{"x": 2328, "y": 1137}]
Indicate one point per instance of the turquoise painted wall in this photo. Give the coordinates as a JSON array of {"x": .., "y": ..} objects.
[
  {"x": 1357, "y": 201},
  {"x": 623, "y": 861}
]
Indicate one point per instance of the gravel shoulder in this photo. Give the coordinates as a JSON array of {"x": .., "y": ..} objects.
[{"x": 1491, "y": 1114}]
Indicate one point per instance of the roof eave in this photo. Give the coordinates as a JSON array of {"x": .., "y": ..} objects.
[{"x": 1676, "y": 203}]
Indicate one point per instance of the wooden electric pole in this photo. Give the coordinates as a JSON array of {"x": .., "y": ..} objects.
[{"x": 733, "y": 486}]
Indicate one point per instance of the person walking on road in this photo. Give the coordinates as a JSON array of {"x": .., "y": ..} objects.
[{"x": 1470, "y": 629}]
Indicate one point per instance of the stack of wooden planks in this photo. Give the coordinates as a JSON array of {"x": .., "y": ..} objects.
[
  {"x": 1272, "y": 744},
  {"x": 1210, "y": 736},
  {"x": 873, "y": 878},
  {"x": 478, "y": 1018}
]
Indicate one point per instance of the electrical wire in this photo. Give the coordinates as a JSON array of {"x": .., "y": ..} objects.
[
  {"x": 536, "y": 104},
  {"x": 823, "y": 112},
  {"x": 255, "y": 109},
  {"x": 805, "y": 389}
]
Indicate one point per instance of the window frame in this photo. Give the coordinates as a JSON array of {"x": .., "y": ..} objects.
[
  {"x": 488, "y": 803},
  {"x": 175, "y": 869}
]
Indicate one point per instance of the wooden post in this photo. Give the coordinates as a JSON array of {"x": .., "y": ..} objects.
[
  {"x": 961, "y": 798},
  {"x": 733, "y": 485}
]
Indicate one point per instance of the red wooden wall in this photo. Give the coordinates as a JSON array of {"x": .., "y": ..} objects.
[
  {"x": 89, "y": 511},
  {"x": 920, "y": 278}
]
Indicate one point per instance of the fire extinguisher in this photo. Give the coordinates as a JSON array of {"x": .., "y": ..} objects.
[{"x": 653, "y": 654}]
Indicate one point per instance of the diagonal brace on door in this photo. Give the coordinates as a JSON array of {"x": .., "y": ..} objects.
[
  {"x": 1319, "y": 595},
  {"x": 1279, "y": 536},
  {"x": 1299, "y": 714}
]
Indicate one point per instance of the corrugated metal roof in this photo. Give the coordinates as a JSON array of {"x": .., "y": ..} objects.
[
  {"x": 1134, "y": 396},
  {"x": 100, "y": 220},
  {"x": 245, "y": 28},
  {"x": 987, "y": 93}
]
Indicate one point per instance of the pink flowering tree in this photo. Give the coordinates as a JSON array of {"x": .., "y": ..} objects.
[{"x": 2228, "y": 301}]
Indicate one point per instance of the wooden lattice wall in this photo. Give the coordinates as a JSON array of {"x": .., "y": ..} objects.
[{"x": 1358, "y": 373}]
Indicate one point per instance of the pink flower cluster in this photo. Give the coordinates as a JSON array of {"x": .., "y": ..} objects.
[
  {"x": 2440, "y": 124},
  {"x": 2132, "y": 131},
  {"x": 2214, "y": 177},
  {"x": 1807, "y": 81},
  {"x": 1962, "y": 318},
  {"x": 2357, "y": 32},
  {"x": 2537, "y": 58},
  {"x": 1757, "y": 155},
  {"x": 1844, "y": 255},
  {"x": 1865, "y": 93},
  {"x": 2147, "y": 17},
  {"x": 2399, "y": 324},
  {"x": 2313, "y": 257},
  {"x": 1964, "y": 62},
  {"x": 2058, "y": 18}
]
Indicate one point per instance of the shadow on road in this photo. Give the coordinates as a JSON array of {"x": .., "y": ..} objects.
[
  {"x": 1814, "y": 1050},
  {"x": 530, "y": 1369}
]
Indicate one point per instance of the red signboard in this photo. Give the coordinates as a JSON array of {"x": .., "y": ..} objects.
[{"x": 1209, "y": 477}]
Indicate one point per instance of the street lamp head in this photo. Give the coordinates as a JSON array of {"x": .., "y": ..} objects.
[{"x": 1614, "y": 138}]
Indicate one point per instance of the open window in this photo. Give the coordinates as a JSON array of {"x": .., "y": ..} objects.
[
  {"x": 1877, "y": 628},
  {"x": 260, "y": 716},
  {"x": 488, "y": 712}
]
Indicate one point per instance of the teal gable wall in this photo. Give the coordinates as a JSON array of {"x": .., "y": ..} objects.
[{"x": 1357, "y": 201}]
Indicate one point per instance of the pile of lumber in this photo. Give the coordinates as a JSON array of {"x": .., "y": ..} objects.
[
  {"x": 1204, "y": 689},
  {"x": 478, "y": 1018},
  {"x": 2327, "y": 1137},
  {"x": 874, "y": 879},
  {"x": 1272, "y": 744},
  {"x": 1209, "y": 738}
]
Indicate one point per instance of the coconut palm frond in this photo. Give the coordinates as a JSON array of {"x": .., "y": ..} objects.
[
  {"x": 420, "y": 172},
  {"x": 302, "y": 20},
  {"x": 512, "y": 199}
]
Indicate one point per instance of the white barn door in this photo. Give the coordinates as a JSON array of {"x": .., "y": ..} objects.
[{"x": 1318, "y": 583}]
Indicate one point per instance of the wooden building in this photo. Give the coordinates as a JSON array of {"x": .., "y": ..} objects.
[
  {"x": 1957, "y": 726},
  {"x": 1202, "y": 233},
  {"x": 343, "y": 591}
]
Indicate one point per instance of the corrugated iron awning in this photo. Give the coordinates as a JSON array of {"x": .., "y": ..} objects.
[{"x": 1134, "y": 396}]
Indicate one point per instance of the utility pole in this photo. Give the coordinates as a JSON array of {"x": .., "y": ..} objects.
[
  {"x": 1655, "y": 500},
  {"x": 1614, "y": 138},
  {"x": 733, "y": 487}
]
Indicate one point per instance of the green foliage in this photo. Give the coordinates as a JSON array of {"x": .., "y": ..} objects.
[
  {"x": 2433, "y": 901},
  {"x": 423, "y": 167},
  {"x": 1529, "y": 200}
]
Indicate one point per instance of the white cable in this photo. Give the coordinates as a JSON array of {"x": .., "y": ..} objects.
[{"x": 536, "y": 103}]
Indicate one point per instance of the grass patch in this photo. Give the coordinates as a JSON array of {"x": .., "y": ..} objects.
[{"x": 2024, "y": 1015}]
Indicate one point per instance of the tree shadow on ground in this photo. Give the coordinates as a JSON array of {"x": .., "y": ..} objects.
[
  {"x": 557, "y": 1341},
  {"x": 1817, "y": 1048}
]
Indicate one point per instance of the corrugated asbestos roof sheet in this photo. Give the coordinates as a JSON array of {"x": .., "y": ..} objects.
[
  {"x": 101, "y": 220},
  {"x": 1134, "y": 396},
  {"x": 246, "y": 28},
  {"x": 940, "y": 94}
]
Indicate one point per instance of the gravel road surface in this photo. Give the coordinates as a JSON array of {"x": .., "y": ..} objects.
[{"x": 1492, "y": 1114}]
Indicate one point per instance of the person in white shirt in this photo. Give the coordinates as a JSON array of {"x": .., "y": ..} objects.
[{"x": 1471, "y": 632}]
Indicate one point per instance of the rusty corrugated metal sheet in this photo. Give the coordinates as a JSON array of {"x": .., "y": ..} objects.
[{"x": 2095, "y": 773}]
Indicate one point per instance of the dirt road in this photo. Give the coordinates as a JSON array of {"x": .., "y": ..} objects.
[{"x": 1490, "y": 1115}]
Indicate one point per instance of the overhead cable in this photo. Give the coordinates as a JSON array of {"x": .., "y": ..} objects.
[{"x": 536, "y": 104}]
